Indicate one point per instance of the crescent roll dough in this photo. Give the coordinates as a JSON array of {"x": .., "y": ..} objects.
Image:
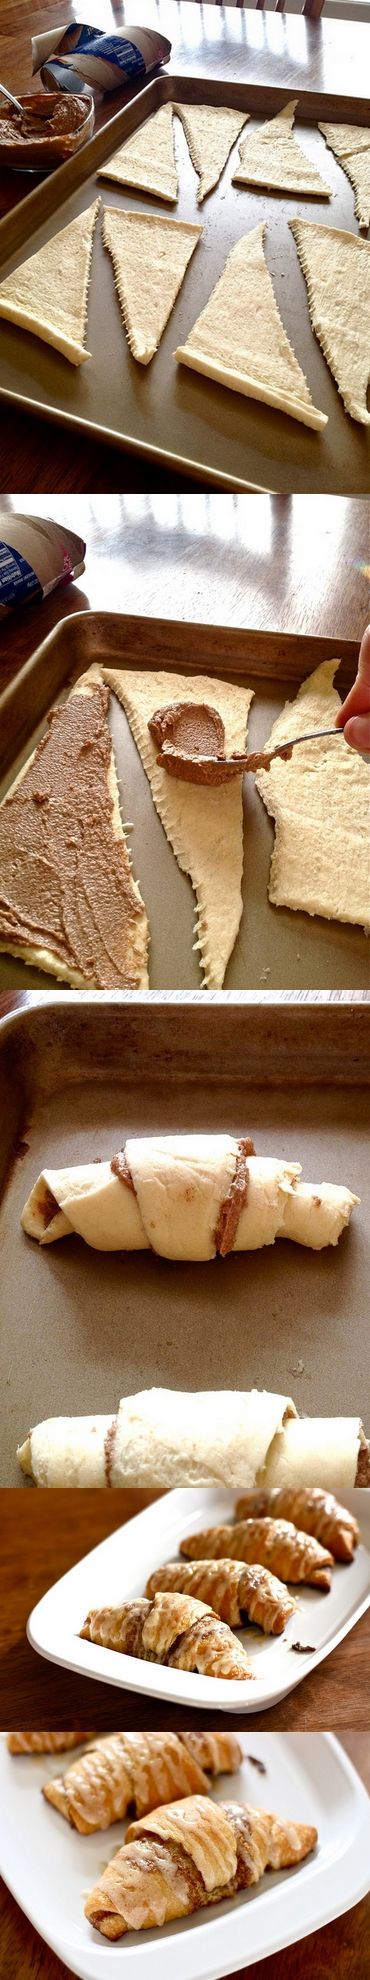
[
  {"x": 173, "y": 1630},
  {"x": 208, "y": 1437},
  {"x": 236, "y": 1593},
  {"x": 187, "y": 1856},
  {"x": 275, "y": 1543},
  {"x": 45, "y": 1742},
  {"x": 186, "y": 1197},
  {"x": 137, "y": 1771},
  {"x": 312, "y": 1510}
]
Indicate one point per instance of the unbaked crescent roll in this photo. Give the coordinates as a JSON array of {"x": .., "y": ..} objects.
[
  {"x": 168, "y": 1437},
  {"x": 312, "y": 1510},
  {"x": 137, "y": 1771},
  {"x": 275, "y": 1543},
  {"x": 186, "y": 1197},
  {"x": 45, "y": 1742},
  {"x": 236, "y": 1593},
  {"x": 187, "y": 1856},
  {"x": 172, "y": 1630}
]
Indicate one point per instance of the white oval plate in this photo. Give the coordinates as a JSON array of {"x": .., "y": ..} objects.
[
  {"x": 119, "y": 1569},
  {"x": 49, "y": 1868}
]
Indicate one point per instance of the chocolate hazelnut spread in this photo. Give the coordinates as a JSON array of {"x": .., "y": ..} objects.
[
  {"x": 43, "y": 130},
  {"x": 120, "y": 1168},
  {"x": 65, "y": 884},
  {"x": 190, "y": 727},
  {"x": 363, "y": 1464},
  {"x": 234, "y": 1202},
  {"x": 50, "y": 1207},
  {"x": 109, "y": 1442}
]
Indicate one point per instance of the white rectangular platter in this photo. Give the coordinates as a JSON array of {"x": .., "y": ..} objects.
[
  {"x": 50, "y": 1868},
  {"x": 119, "y": 1568}
]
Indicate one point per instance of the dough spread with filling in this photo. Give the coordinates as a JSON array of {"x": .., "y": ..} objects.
[{"x": 68, "y": 902}]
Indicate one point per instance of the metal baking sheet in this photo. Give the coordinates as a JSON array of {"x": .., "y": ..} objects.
[
  {"x": 165, "y": 412},
  {"x": 80, "y": 1328},
  {"x": 276, "y": 949}
]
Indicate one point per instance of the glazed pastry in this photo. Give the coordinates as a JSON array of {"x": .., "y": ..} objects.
[
  {"x": 275, "y": 1542},
  {"x": 207, "y": 1437},
  {"x": 186, "y": 1197},
  {"x": 137, "y": 1771},
  {"x": 45, "y": 1742},
  {"x": 312, "y": 1510},
  {"x": 236, "y": 1593},
  {"x": 187, "y": 1856},
  {"x": 171, "y": 1630}
]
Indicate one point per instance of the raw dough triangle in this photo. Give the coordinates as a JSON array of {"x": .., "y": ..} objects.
[
  {"x": 352, "y": 147},
  {"x": 210, "y": 134},
  {"x": 147, "y": 160},
  {"x": 150, "y": 256},
  {"x": 125, "y": 953},
  {"x": 239, "y": 339},
  {"x": 204, "y": 826},
  {"x": 320, "y": 801},
  {"x": 336, "y": 267},
  {"x": 271, "y": 157},
  {"x": 48, "y": 293}
]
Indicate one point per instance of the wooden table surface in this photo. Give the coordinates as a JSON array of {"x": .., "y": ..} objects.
[
  {"x": 295, "y": 564},
  {"x": 265, "y": 48},
  {"x": 45, "y": 1533}
]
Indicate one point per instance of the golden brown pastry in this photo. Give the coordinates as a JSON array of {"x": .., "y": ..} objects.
[
  {"x": 274, "y": 1542},
  {"x": 312, "y": 1510},
  {"x": 170, "y": 1630},
  {"x": 137, "y": 1771},
  {"x": 236, "y": 1593},
  {"x": 45, "y": 1742},
  {"x": 187, "y": 1856}
]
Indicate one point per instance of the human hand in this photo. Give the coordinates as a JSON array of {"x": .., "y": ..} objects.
[{"x": 354, "y": 716}]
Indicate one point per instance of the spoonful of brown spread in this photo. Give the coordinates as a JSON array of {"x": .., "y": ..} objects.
[{"x": 191, "y": 740}]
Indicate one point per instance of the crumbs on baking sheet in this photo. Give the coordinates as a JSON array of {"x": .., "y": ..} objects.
[{"x": 254, "y": 1762}]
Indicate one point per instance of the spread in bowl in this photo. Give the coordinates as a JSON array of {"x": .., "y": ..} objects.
[{"x": 44, "y": 131}]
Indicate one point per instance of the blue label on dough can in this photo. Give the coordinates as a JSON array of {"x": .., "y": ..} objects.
[{"x": 17, "y": 579}]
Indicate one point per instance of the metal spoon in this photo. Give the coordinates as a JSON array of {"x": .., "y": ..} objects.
[
  {"x": 10, "y": 98},
  {"x": 224, "y": 768}
]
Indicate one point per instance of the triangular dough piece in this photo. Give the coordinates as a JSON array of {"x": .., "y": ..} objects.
[
  {"x": 210, "y": 134},
  {"x": 204, "y": 826},
  {"x": 147, "y": 160},
  {"x": 92, "y": 935},
  {"x": 271, "y": 157},
  {"x": 320, "y": 801},
  {"x": 240, "y": 340},
  {"x": 336, "y": 267},
  {"x": 352, "y": 147},
  {"x": 150, "y": 256},
  {"x": 48, "y": 294}
]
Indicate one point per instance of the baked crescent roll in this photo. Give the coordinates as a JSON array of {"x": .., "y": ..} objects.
[
  {"x": 171, "y": 1630},
  {"x": 137, "y": 1771},
  {"x": 45, "y": 1742},
  {"x": 186, "y": 1196},
  {"x": 190, "y": 1855},
  {"x": 275, "y": 1542},
  {"x": 236, "y": 1593},
  {"x": 207, "y": 1437},
  {"x": 312, "y": 1510}
]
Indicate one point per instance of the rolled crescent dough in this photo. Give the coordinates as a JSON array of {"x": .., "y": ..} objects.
[
  {"x": 271, "y": 157},
  {"x": 351, "y": 145},
  {"x": 150, "y": 255},
  {"x": 204, "y": 826},
  {"x": 147, "y": 160},
  {"x": 320, "y": 801},
  {"x": 210, "y": 134},
  {"x": 48, "y": 293},
  {"x": 180, "y": 1184},
  {"x": 240, "y": 341},
  {"x": 336, "y": 267},
  {"x": 163, "y": 1437}
]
